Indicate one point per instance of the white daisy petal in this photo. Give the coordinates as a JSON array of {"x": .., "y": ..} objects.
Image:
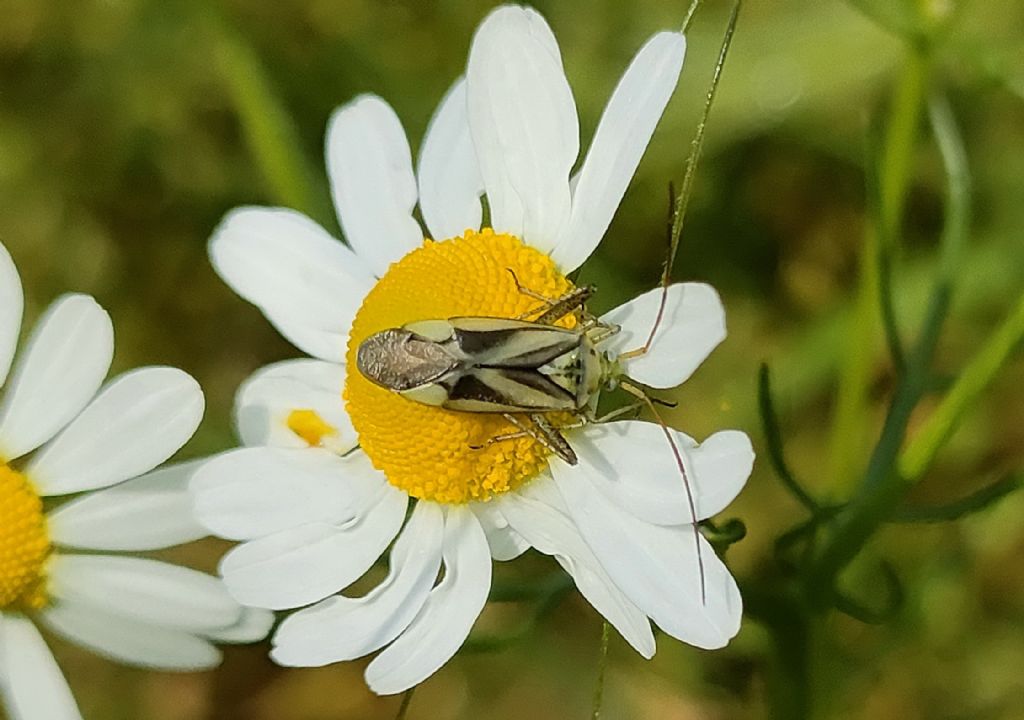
[
  {"x": 143, "y": 590},
  {"x": 152, "y": 511},
  {"x": 307, "y": 283},
  {"x": 302, "y": 565},
  {"x": 342, "y": 628},
  {"x": 632, "y": 463},
  {"x": 137, "y": 421},
  {"x": 656, "y": 566},
  {"x": 542, "y": 520},
  {"x": 692, "y": 326},
  {"x": 61, "y": 368},
  {"x": 505, "y": 542},
  {"x": 128, "y": 641},
  {"x": 370, "y": 168},
  {"x": 253, "y": 492},
  {"x": 447, "y": 616},
  {"x": 253, "y": 625},
  {"x": 33, "y": 686},
  {"x": 12, "y": 302},
  {"x": 266, "y": 400},
  {"x": 619, "y": 142},
  {"x": 449, "y": 174},
  {"x": 523, "y": 120}
]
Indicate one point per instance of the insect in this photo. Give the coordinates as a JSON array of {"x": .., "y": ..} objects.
[{"x": 523, "y": 369}]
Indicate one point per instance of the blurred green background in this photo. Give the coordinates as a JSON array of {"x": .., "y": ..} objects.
[{"x": 129, "y": 127}]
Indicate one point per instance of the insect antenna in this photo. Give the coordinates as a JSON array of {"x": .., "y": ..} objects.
[
  {"x": 638, "y": 392},
  {"x": 678, "y": 202}
]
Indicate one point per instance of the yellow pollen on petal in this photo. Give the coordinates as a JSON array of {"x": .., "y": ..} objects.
[
  {"x": 24, "y": 544},
  {"x": 427, "y": 451},
  {"x": 309, "y": 426}
]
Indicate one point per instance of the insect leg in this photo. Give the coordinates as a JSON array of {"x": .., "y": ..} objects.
[
  {"x": 557, "y": 308},
  {"x": 638, "y": 393},
  {"x": 501, "y": 438},
  {"x": 540, "y": 430},
  {"x": 546, "y": 434},
  {"x": 552, "y": 439},
  {"x": 568, "y": 303},
  {"x": 598, "y": 331}
]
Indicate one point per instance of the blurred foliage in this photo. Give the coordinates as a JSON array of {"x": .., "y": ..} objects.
[{"x": 129, "y": 127}]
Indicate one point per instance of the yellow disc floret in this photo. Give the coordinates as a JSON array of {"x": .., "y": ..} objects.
[
  {"x": 433, "y": 453},
  {"x": 24, "y": 545}
]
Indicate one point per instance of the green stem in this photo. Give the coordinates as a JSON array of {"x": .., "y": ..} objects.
[
  {"x": 403, "y": 709},
  {"x": 789, "y": 627},
  {"x": 975, "y": 502},
  {"x": 980, "y": 371},
  {"x": 682, "y": 200},
  {"x": 602, "y": 666},
  {"x": 266, "y": 125},
  {"x": 884, "y": 486},
  {"x": 852, "y": 413},
  {"x": 773, "y": 440}
]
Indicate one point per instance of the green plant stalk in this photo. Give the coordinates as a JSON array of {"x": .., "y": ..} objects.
[
  {"x": 268, "y": 130},
  {"x": 403, "y": 709},
  {"x": 884, "y": 486},
  {"x": 851, "y": 420},
  {"x": 602, "y": 666},
  {"x": 789, "y": 686},
  {"x": 980, "y": 371}
]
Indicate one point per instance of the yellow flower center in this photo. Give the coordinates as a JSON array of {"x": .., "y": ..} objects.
[
  {"x": 24, "y": 544},
  {"x": 427, "y": 451}
]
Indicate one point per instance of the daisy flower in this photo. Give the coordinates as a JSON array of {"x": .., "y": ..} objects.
[
  {"x": 62, "y": 434},
  {"x": 332, "y": 462}
]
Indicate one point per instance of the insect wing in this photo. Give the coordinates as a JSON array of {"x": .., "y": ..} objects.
[
  {"x": 507, "y": 390},
  {"x": 499, "y": 342}
]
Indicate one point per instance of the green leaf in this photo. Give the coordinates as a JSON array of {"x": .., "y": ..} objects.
[
  {"x": 975, "y": 502},
  {"x": 773, "y": 439}
]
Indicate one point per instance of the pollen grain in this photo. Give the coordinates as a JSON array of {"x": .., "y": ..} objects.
[{"x": 24, "y": 544}]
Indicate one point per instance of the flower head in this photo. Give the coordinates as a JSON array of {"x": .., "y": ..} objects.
[
  {"x": 62, "y": 434},
  {"x": 333, "y": 459}
]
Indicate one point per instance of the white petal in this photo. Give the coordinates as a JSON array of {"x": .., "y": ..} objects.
[
  {"x": 370, "y": 168},
  {"x": 504, "y": 541},
  {"x": 152, "y": 511},
  {"x": 33, "y": 686},
  {"x": 308, "y": 284},
  {"x": 342, "y": 628},
  {"x": 265, "y": 401},
  {"x": 254, "y": 492},
  {"x": 447, "y": 616},
  {"x": 619, "y": 142},
  {"x": 60, "y": 370},
  {"x": 546, "y": 526},
  {"x": 252, "y": 626},
  {"x": 632, "y": 463},
  {"x": 656, "y": 566},
  {"x": 692, "y": 326},
  {"x": 137, "y": 421},
  {"x": 449, "y": 175},
  {"x": 12, "y": 302},
  {"x": 128, "y": 641},
  {"x": 523, "y": 120},
  {"x": 143, "y": 590},
  {"x": 305, "y": 564}
]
